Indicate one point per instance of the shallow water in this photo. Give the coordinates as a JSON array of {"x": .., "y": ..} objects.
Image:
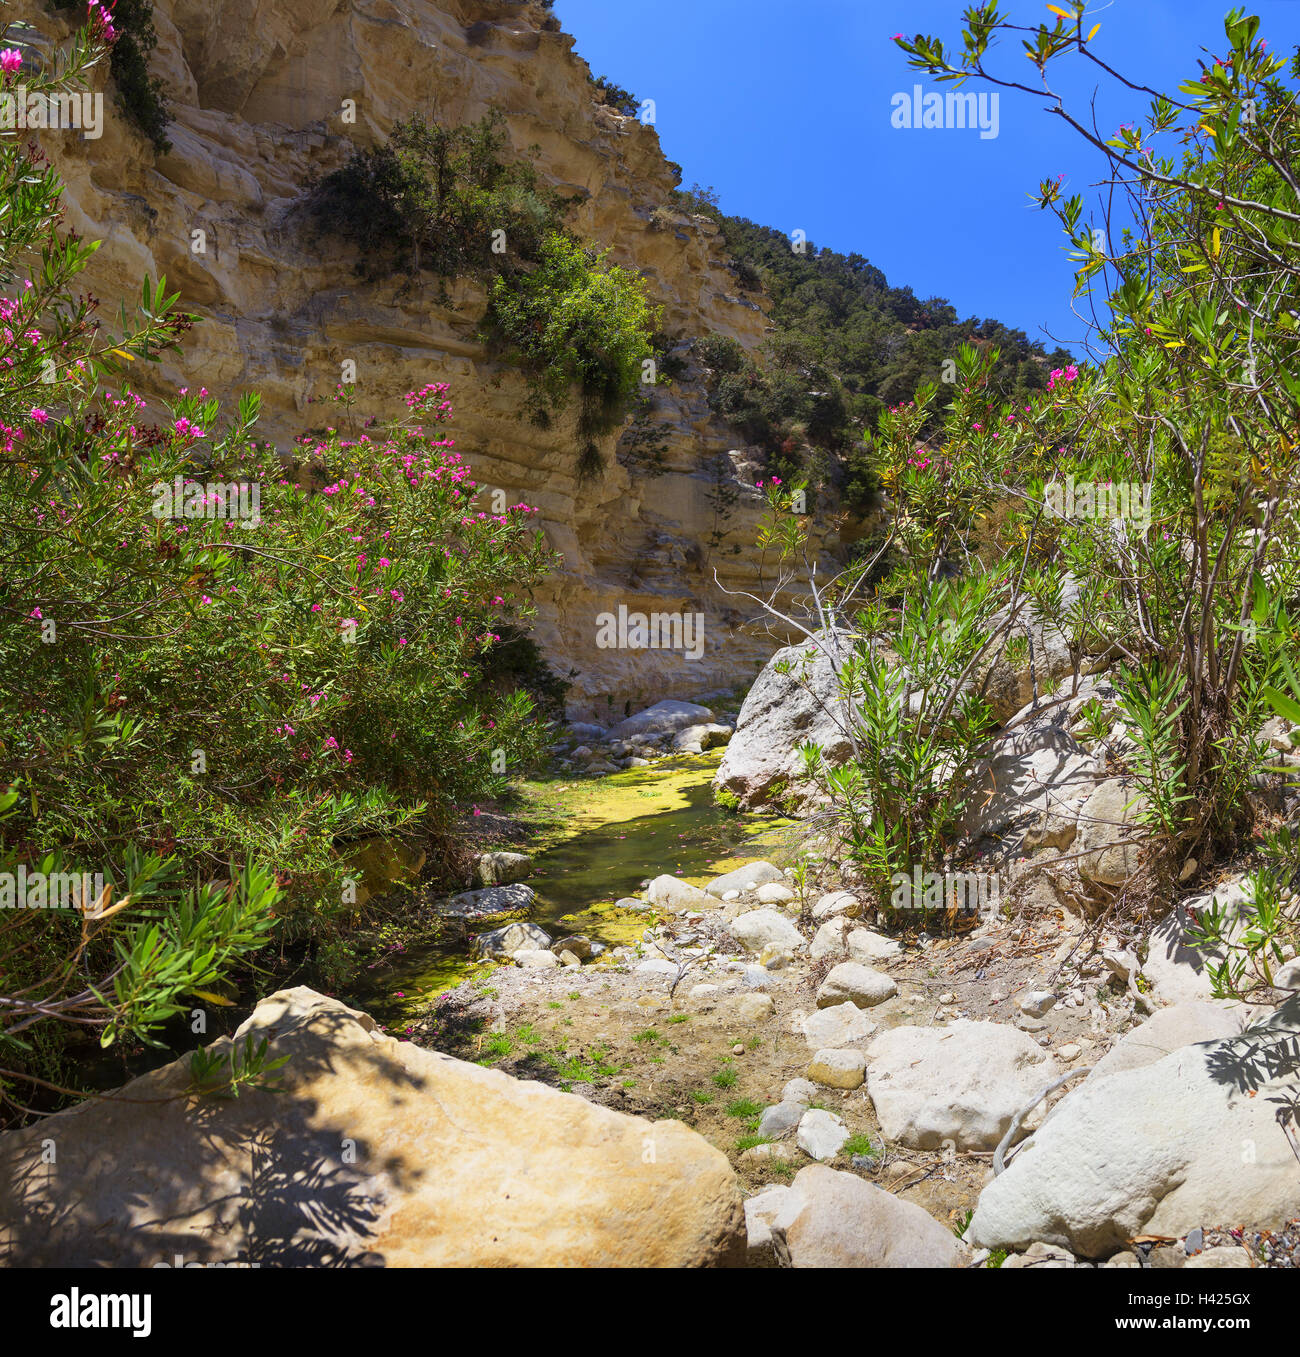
[{"x": 624, "y": 828}]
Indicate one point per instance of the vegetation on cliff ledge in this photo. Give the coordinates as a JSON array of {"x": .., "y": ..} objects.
[{"x": 454, "y": 203}]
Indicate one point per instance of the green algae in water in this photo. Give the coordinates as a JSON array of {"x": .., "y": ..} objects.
[{"x": 620, "y": 830}]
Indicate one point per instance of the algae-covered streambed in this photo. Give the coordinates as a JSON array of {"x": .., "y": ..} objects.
[{"x": 609, "y": 835}]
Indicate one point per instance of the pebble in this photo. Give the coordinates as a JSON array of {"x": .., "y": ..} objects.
[
  {"x": 821, "y": 1134},
  {"x": 838, "y": 1068},
  {"x": 1036, "y": 1002},
  {"x": 799, "y": 1091},
  {"x": 781, "y": 1118}
]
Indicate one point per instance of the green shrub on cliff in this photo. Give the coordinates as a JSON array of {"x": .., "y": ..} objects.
[
  {"x": 451, "y": 202},
  {"x": 133, "y": 37},
  {"x": 575, "y": 320},
  {"x": 447, "y": 200}
]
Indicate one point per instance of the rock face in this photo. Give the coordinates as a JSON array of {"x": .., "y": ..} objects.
[
  {"x": 1169, "y": 1030},
  {"x": 266, "y": 94},
  {"x": 372, "y": 1153},
  {"x": 794, "y": 700},
  {"x": 1031, "y": 788},
  {"x": 1159, "y": 1149},
  {"x": 963, "y": 1083}
]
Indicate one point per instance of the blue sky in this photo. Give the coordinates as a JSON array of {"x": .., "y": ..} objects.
[{"x": 784, "y": 107}]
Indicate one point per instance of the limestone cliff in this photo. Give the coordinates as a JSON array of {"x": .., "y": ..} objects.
[{"x": 258, "y": 91}]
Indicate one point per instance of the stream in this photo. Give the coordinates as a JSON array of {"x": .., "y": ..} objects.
[{"x": 622, "y": 829}]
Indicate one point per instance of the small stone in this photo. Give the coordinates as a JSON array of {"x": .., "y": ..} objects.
[
  {"x": 839, "y": 1026},
  {"x": 838, "y": 1068},
  {"x": 762, "y": 928},
  {"x": 780, "y": 1119},
  {"x": 821, "y": 1134},
  {"x": 1070, "y": 1051},
  {"x": 774, "y": 957},
  {"x": 577, "y": 943},
  {"x": 535, "y": 959},
  {"x": 747, "y": 1008},
  {"x": 1036, "y": 1002},
  {"x": 799, "y": 1091},
  {"x": 1041, "y": 1255},
  {"x": 851, "y": 982},
  {"x": 868, "y": 947},
  {"x": 948, "y": 998},
  {"x": 656, "y": 966},
  {"x": 766, "y": 1151},
  {"x": 738, "y": 1049},
  {"x": 1225, "y": 1255},
  {"x": 837, "y": 902}
]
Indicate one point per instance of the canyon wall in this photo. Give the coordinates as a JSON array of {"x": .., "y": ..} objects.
[{"x": 259, "y": 93}]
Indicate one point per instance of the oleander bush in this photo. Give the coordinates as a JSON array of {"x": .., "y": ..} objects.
[{"x": 224, "y": 671}]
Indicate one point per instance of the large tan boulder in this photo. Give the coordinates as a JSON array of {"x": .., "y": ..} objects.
[{"x": 372, "y": 1152}]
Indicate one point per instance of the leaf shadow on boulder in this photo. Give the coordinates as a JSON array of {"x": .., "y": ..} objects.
[
  {"x": 1266, "y": 1055},
  {"x": 151, "y": 1172}
]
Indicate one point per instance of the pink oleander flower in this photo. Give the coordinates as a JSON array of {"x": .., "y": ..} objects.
[{"x": 10, "y": 60}]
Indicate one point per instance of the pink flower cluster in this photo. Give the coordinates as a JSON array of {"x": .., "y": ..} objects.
[{"x": 1061, "y": 375}]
